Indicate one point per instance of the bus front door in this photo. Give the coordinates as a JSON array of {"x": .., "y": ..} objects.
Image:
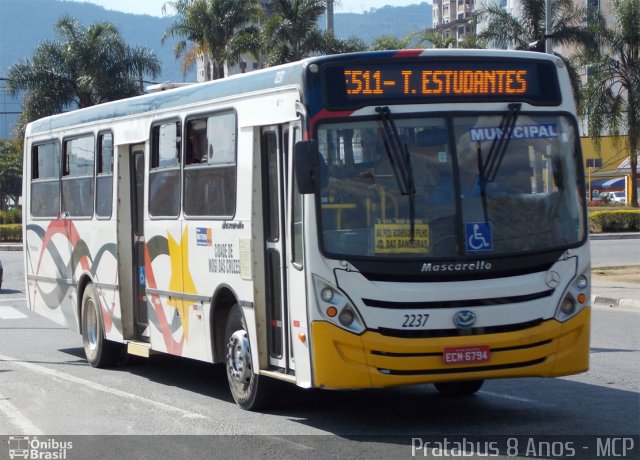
[{"x": 274, "y": 185}]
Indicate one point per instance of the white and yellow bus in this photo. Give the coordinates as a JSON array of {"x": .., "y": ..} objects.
[{"x": 349, "y": 221}]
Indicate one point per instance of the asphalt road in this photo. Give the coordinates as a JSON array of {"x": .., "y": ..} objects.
[
  {"x": 48, "y": 389},
  {"x": 615, "y": 252}
]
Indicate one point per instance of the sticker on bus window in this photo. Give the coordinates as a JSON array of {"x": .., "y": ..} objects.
[
  {"x": 395, "y": 238},
  {"x": 490, "y": 133},
  {"x": 478, "y": 236},
  {"x": 142, "y": 278},
  {"x": 204, "y": 236}
]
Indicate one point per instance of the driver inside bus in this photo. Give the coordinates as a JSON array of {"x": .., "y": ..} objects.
[{"x": 469, "y": 178}]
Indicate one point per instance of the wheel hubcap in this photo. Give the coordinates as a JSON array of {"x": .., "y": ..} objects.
[
  {"x": 239, "y": 357},
  {"x": 91, "y": 326}
]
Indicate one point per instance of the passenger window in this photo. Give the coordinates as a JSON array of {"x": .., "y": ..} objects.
[
  {"x": 45, "y": 175},
  {"x": 77, "y": 177},
  {"x": 210, "y": 166},
  {"x": 104, "y": 179},
  {"x": 164, "y": 176}
]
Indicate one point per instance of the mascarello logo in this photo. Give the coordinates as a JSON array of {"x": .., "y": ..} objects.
[{"x": 34, "y": 448}]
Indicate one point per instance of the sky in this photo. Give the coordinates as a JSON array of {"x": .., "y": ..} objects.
[{"x": 154, "y": 7}]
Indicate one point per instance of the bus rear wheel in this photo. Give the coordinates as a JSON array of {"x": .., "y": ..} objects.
[
  {"x": 249, "y": 390},
  {"x": 99, "y": 351},
  {"x": 466, "y": 387}
]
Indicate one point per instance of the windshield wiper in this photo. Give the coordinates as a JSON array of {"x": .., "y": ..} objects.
[
  {"x": 488, "y": 169},
  {"x": 498, "y": 148},
  {"x": 400, "y": 161}
]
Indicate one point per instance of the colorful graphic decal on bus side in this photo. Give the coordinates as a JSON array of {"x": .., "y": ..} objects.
[
  {"x": 80, "y": 255},
  {"x": 180, "y": 281}
]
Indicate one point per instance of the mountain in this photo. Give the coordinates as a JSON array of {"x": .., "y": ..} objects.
[
  {"x": 21, "y": 30},
  {"x": 26, "y": 23},
  {"x": 389, "y": 20}
]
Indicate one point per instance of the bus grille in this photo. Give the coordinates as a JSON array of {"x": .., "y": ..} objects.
[
  {"x": 495, "y": 367},
  {"x": 459, "y": 303},
  {"x": 458, "y": 332}
]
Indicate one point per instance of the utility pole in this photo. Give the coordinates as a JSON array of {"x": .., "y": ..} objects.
[{"x": 548, "y": 47}]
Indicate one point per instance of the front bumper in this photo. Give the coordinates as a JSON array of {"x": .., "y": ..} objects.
[{"x": 342, "y": 360}]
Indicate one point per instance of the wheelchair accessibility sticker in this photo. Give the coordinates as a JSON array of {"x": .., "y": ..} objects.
[{"x": 479, "y": 236}]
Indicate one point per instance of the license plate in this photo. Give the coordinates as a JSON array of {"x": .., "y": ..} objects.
[{"x": 465, "y": 355}]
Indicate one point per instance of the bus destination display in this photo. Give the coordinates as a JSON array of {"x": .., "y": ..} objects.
[
  {"x": 361, "y": 82},
  {"x": 419, "y": 81}
]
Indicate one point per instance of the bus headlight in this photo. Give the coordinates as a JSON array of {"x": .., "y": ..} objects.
[
  {"x": 326, "y": 294},
  {"x": 335, "y": 306},
  {"x": 582, "y": 283},
  {"x": 567, "y": 306},
  {"x": 575, "y": 298}
]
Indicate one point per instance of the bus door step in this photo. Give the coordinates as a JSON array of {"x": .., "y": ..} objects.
[{"x": 136, "y": 348}]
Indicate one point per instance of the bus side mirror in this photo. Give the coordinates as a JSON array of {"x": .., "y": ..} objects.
[{"x": 306, "y": 165}]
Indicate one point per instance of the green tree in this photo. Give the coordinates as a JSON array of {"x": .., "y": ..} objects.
[
  {"x": 292, "y": 32},
  {"x": 389, "y": 42},
  {"x": 612, "y": 93},
  {"x": 434, "y": 39},
  {"x": 10, "y": 171},
  {"x": 221, "y": 30},
  {"x": 334, "y": 45},
  {"x": 503, "y": 29},
  {"x": 82, "y": 67}
]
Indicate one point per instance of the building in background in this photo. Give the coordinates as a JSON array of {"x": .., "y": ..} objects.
[
  {"x": 453, "y": 18},
  {"x": 10, "y": 109}
]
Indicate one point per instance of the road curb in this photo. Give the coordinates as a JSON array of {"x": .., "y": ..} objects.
[
  {"x": 11, "y": 247},
  {"x": 614, "y": 236},
  {"x": 615, "y": 302}
]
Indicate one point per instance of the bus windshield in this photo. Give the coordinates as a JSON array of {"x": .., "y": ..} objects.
[{"x": 478, "y": 187}]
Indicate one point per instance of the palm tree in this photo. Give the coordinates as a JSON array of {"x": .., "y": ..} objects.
[
  {"x": 82, "y": 67},
  {"x": 220, "y": 30},
  {"x": 292, "y": 32},
  {"x": 612, "y": 95},
  {"x": 505, "y": 30},
  {"x": 502, "y": 29}
]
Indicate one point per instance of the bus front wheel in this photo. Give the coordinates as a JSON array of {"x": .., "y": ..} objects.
[
  {"x": 100, "y": 352},
  {"x": 249, "y": 390},
  {"x": 465, "y": 387}
]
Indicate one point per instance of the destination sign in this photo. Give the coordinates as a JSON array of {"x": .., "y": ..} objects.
[
  {"x": 435, "y": 82},
  {"x": 422, "y": 80}
]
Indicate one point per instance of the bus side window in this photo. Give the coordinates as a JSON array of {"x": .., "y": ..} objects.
[
  {"x": 45, "y": 175},
  {"x": 104, "y": 179},
  {"x": 210, "y": 166},
  {"x": 164, "y": 175},
  {"x": 196, "y": 146},
  {"x": 77, "y": 176}
]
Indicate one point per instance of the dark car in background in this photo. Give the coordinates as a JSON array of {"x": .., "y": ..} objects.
[{"x": 1, "y": 270}]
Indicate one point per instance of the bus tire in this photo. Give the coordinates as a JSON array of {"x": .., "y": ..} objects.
[
  {"x": 250, "y": 391},
  {"x": 99, "y": 351},
  {"x": 465, "y": 387}
]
